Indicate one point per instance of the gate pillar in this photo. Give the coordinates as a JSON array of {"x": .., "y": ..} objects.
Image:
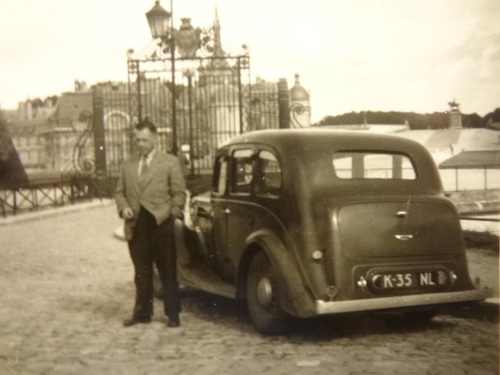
[{"x": 283, "y": 104}]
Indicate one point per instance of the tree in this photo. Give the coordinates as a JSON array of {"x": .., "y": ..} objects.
[
  {"x": 5, "y": 144},
  {"x": 473, "y": 121},
  {"x": 436, "y": 120},
  {"x": 492, "y": 117},
  {"x": 12, "y": 173}
]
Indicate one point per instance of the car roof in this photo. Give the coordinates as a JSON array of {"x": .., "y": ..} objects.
[
  {"x": 304, "y": 150},
  {"x": 307, "y": 140}
]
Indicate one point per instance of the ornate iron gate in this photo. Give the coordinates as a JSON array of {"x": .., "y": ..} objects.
[
  {"x": 211, "y": 98},
  {"x": 197, "y": 97}
]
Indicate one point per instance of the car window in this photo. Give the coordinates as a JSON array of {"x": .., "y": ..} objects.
[
  {"x": 220, "y": 176},
  {"x": 269, "y": 182},
  {"x": 242, "y": 171},
  {"x": 373, "y": 165}
]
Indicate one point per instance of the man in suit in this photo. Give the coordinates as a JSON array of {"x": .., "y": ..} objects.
[{"x": 150, "y": 194}]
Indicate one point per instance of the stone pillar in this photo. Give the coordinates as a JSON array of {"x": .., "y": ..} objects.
[
  {"x": 283, "y": 104},
  {"x": 455, "y": 115}
]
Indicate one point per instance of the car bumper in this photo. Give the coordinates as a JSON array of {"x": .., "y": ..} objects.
[{"x": 385, "y": 303}]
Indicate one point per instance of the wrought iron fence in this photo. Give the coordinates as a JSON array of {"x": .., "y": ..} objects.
[
  {"x": 112, "y": 127},
  {"x": 47, "y": 190},
  {"x": 209, "y": 96},
  {"x": 214, "y": 101}
]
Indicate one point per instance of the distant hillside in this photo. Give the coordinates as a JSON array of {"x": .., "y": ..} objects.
[{"x": 436, "y": 120}]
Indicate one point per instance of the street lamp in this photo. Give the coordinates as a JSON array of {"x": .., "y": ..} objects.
[
  {"x": 162, "y": 27},
  {"x": 159, "y": 21}
]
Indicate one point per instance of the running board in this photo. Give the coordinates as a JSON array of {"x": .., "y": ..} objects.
[
  {"x": 195, "y": 274},
  {"x": 199, "y": 277}
]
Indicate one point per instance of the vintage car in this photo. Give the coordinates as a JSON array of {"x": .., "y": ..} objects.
[{"x": 302, "y": 223}]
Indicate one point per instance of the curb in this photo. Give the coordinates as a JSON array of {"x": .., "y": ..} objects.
[
  {"x": 492, "y": 301},
  {"x": 37, "y": 215}
]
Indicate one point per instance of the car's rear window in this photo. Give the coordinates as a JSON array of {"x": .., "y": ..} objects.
[{"x": 373, "y": 165}]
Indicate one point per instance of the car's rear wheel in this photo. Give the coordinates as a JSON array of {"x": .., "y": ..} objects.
[{"x": 263, "y": 297}]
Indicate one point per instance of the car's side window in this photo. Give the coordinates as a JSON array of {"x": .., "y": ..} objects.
[
  {"x": 220, "y": 176},
  {"x": 242, "y": 171},
  {"x": 270, "y": 179}
]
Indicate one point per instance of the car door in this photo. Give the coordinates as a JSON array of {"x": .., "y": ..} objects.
[
  {"x": 238, "y": 209},
  {"x": 219, "y": 201}
]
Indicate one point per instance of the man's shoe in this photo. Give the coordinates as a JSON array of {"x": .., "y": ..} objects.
[
  {"x": 173, "y": 323},
  {"x": 133, "y": 321}
]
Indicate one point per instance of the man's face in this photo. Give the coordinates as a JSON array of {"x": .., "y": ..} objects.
[{"x": 145, "y": 141}]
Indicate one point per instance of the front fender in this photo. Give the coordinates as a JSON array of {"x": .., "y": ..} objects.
[{"x": 295, "y": 294}]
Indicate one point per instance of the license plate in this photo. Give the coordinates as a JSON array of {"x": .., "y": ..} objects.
[{"x": 408, "y": 280}]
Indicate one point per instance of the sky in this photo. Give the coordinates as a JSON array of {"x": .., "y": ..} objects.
[{"x": 362, "y": 55}]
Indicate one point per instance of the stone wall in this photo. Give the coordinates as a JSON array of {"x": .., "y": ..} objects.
[{"x": 476, "y": 201}]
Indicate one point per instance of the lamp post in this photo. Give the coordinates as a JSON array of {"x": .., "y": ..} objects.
[
  {"x": 189, "y": 74},
  {"x": 161, "y": 25}
]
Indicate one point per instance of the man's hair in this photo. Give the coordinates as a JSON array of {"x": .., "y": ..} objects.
[{"x": 146, "y": 124}]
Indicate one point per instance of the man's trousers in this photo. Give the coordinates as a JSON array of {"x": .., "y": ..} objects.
[{"x": 154, "y": 244}]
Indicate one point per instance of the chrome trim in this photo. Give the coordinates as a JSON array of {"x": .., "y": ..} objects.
[
  {"x": 324, "y": 307},
  {"x": 404, "y": 237}
]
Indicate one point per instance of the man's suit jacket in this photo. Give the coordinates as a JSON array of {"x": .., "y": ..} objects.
[{"x": 162, "y": 191}]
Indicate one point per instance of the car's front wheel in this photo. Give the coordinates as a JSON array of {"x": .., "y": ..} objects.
[{"x": 263, "y": 297}]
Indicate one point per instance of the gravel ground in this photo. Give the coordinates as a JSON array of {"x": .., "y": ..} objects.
[{"x": 67, "y": 285}]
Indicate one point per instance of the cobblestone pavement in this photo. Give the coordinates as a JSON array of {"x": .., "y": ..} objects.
[{"x": 66, "y": 285}]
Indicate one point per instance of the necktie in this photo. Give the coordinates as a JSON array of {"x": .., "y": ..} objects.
[{"x": 144, "y": 167}]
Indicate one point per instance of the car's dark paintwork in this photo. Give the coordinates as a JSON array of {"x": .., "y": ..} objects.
[{"x": 327, "y": 238}]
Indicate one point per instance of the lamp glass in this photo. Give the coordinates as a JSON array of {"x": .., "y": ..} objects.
[{"x": 159, "y": 21}]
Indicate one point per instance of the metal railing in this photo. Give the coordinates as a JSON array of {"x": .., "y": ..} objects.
[
  {"x": 460, "y": 179},
  {"x": 47, "y": 191}
]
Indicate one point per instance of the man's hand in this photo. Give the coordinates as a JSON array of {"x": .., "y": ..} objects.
[
  {"x": 177, "y": 213},
  {"x": 127, "y": 213}
]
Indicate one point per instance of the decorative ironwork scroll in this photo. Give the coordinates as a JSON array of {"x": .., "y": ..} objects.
[
  {"x": 82, "y": 162},
  {"x": 297, "y": 110}
]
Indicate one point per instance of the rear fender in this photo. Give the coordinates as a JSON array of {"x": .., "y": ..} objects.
[
  {"x": 181, "y": 247},
  {"x": 295, "y": 298}
]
